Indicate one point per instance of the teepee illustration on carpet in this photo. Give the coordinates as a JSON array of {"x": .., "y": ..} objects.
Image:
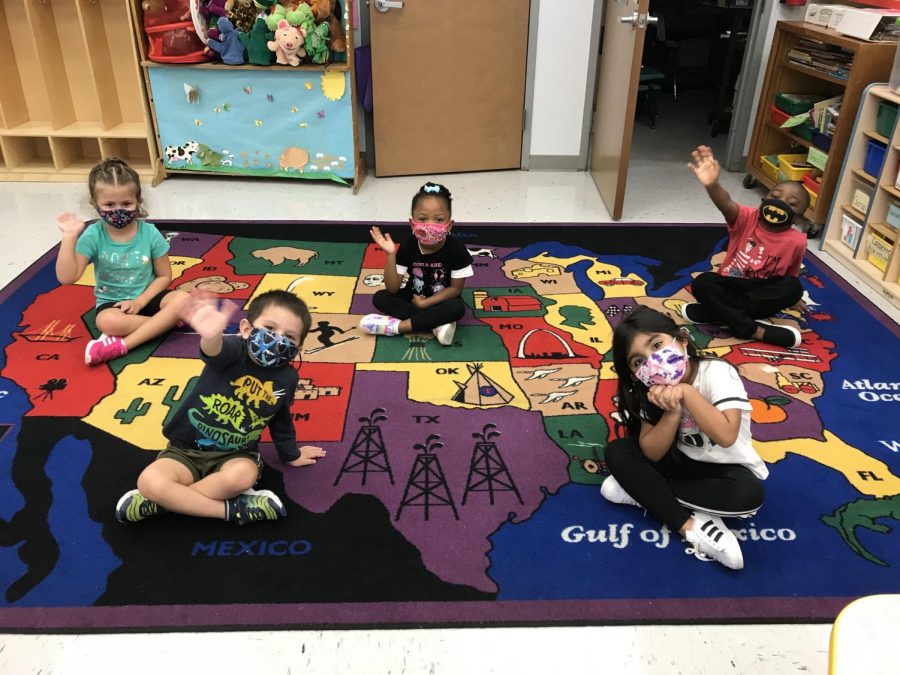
[{"x": 480, "y": 389}]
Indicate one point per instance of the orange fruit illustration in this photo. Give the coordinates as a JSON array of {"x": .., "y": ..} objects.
[{"x": 768, "y": 410}]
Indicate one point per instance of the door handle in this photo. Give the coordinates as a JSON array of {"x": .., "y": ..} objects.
[
  {"x": 388, "y": 5},
  {"x": 638, "y": 20}
]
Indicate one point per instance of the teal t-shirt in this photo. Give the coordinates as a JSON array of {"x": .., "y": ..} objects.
[{"x": 122, "y": 270}]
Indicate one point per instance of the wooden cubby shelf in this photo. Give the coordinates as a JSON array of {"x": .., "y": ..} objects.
[
  {"x": 69, "y": 80},
  {"x": 873, "y": 224}
]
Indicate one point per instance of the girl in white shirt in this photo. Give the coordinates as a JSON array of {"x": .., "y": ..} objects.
[{"x": 688, "y": 457}]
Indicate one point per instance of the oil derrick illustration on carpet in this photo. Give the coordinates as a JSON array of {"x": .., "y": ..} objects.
[
  {"x": 368, "y": 453},
  {"x": 427, "y": 486},
  {"x": 487, "y": 470},
  {"x": 480, "y": 389}
]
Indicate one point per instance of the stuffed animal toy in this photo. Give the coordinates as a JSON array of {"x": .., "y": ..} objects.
[
  {"x": 329, "y": 10},
  {"x": 257, "y": 44},
  {"x": 229, "y": 47},
  {"x": 317, "y": 44},
  {"x": 302, "y": 16},
  {"x": 288, "y": 44},
  {"x": 215, "y": 10},
  {"x": 243, "y": 15}
]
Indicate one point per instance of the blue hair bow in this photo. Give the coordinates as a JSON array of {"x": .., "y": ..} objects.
[{"x": 431, "y": 188}]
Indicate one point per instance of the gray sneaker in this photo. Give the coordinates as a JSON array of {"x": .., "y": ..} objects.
[
  {"x": 133, "y": 507},
  {"x": 252, "y": 506}
]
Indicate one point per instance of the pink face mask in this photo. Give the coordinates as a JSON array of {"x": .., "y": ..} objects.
[
  {"x": 430, "y": 234},
  {"x": 664, "y": 366}
]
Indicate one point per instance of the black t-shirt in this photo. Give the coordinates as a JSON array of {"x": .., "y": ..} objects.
[
  {"x": 233, "y": 401},
  {"x": 430, "y": 273}
]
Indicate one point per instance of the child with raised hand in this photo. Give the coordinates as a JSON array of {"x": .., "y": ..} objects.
[
  {"x": 437, "y": 264},
  {"x": 131, "y": 264},
  {"x": 688, "y": 457},
  {"x": 758, "y": 276},
  {"x": 248, "y": 382}
]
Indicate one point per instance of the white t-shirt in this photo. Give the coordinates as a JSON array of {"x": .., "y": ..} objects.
[{"x": 719, "y": 383}]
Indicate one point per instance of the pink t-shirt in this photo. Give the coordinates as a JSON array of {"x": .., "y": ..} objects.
[{"x": 757, "y": 253}]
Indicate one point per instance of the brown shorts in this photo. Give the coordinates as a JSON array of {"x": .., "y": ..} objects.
[{"x": 201, "y": 463}]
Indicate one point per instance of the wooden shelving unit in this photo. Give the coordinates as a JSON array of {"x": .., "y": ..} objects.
[
  {"x": 71, "y": 91},
  {"x": 204, "y": 124},
  {"x": 884, "y": 194},
  {"x": 872, "y": 62}
]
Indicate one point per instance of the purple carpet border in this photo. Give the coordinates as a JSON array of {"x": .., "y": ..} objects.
[
  {"x": 166, "y": 618},
  {"x": 26, "y": 274}
]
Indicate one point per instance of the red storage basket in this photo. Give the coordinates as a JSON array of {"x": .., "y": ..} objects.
[{"x": 172, "y": 32}]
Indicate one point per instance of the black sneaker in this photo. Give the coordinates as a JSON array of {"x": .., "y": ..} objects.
[
  {"x": 133, "y": 507},
  {"x": 253, "y": 506},
  {"x": 696, "y": 312},
  {"x": 780, "y": 336}
]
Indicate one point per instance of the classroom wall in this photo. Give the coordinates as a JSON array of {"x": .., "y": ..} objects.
[
  {"x": 774, "y": 13},
  {"x": 561, "y": 88}
]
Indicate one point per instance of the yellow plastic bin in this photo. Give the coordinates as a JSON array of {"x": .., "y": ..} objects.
[
  {"x": 812, "y": 197},
  {"x": 794, "y": 166},
  {"x": 769, "y": 166}
]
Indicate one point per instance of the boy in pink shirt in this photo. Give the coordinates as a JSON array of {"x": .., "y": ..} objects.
[{"x": 758, "y": 277}]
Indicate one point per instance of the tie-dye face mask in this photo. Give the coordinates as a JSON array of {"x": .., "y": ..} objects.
[{"x": 666, "y": 365}]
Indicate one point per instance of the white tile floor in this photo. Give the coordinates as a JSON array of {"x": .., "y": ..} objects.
[{"x": 660, "y": 190}]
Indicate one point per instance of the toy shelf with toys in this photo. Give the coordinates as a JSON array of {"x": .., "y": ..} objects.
[
  {"x": 863, "y": 226},
  {"x": 252, "y": 87},
  {"x": 71, "y": 91}
]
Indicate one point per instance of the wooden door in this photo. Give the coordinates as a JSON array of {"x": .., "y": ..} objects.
[
  {"x": 617, "y": 83},
  {"x": 448, "y": 88}
]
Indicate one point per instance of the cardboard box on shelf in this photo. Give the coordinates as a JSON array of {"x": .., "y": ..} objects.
[{"x": 864, "y": 24}]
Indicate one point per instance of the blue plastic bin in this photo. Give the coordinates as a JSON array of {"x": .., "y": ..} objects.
[
  {"x": 874, "y": 158},
  {"x": 821, "y": 141}
]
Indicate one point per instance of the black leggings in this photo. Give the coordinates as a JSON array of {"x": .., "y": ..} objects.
[
  {"x": 676, "y": 485},
  {"x": 399, "y": 305},
  {"x": 738, "y": 302}
]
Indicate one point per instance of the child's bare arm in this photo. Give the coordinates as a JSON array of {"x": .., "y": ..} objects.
[
  {"x": 392, "y": 280},
  {"x": 69, "y": 264},
  {"x": 705, "y": 166}
]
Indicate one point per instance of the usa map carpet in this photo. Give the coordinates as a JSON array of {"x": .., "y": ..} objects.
[{"x": 461, "y": 482}]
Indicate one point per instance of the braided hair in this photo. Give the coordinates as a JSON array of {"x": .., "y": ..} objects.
[
  {"x": 115, "y": 171},
  {"x": 433, "y": 190}
]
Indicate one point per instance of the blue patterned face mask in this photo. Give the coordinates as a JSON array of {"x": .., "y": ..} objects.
[
  {"x": 269, "y": 349},
  {"x": 118, "y": 218}
]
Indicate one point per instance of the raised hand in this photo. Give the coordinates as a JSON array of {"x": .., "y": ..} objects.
[
  {"x": 308, "y": 455},
  {"x": 384, "y": 241},
  {"x": 70, "y": 224},
  {"x": 704, "y": 165},
  {"x": 203, "y": 312}
]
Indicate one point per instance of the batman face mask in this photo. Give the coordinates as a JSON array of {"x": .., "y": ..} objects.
[{"x": 777, "y": 214}]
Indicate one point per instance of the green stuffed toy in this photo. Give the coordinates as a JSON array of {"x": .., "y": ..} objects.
[
  {"x": 317, "y": 43},
  {"x": 302, "y": 17},
  {"x": 256, "y": 44}
]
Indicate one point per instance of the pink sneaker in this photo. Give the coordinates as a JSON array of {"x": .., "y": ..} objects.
[{"x": 104, "y": 349}]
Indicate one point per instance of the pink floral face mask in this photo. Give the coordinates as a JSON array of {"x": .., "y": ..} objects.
[
  {"x": 430, "y": 234},
  {"x": 664, "y": 366}
]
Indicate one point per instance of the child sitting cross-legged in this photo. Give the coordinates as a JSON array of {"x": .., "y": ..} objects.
[{"x": 212, "y": 461}]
